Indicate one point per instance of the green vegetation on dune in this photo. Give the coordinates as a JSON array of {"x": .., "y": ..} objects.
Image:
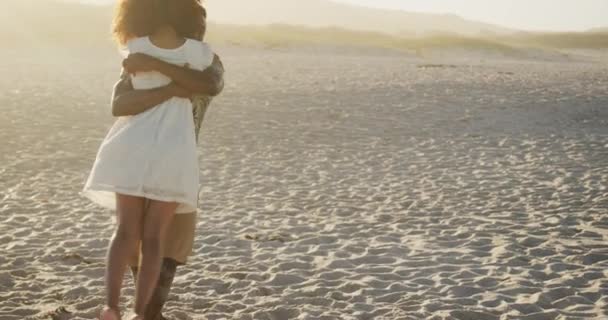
[
  {"x": 564, "y": 40},
  {"x": 456, "y": 41},
  {"x": 287, "y": 35}
]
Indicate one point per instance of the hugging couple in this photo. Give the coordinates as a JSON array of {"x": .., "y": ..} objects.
[{"x": 147, "y": 166}]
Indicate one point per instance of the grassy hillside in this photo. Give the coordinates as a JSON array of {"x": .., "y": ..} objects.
[
  {"x": 286, "y": 35},
  {"x": 563, "y": 40}
]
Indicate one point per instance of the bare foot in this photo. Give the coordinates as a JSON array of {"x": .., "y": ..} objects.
[{"x": 109, "y": 314}]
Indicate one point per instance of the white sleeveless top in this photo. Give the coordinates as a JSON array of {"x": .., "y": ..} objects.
[{"x": 153, "y": 154}]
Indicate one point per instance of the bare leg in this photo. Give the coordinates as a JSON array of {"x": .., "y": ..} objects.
[
  {"x": 124, "y": 242},
  {"x": 161, "y": 292},
  {"x": 156, "y": 222}
]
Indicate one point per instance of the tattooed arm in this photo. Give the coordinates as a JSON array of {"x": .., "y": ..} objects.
[{"x": 201, "y": 102}]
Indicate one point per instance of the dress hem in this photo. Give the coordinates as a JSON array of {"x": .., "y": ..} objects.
[{"x": 89, "y": 192}]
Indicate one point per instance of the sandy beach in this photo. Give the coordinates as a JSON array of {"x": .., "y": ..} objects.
[{"x": 335, "y": 185}]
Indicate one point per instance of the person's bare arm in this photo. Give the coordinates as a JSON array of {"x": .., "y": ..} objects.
[
  {"x": 127, "y": 102},
  {"x": 207, "y": 82}
]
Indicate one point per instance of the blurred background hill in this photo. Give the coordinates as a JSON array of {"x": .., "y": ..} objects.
[{"x": 279, "y": 23}]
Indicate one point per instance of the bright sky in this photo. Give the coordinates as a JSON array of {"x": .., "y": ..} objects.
[{"x": 556, "y": 15}]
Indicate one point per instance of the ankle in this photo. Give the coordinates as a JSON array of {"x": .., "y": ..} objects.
[{"x": 109, "y": 314}]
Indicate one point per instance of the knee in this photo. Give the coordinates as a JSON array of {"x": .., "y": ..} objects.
[{"x": 126, "y": 236}]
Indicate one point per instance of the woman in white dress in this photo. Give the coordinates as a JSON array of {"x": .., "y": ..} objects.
[{"x": 147, "y": 166}]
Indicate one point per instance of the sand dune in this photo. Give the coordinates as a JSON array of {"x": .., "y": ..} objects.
[{"x": 335, "y": 186}]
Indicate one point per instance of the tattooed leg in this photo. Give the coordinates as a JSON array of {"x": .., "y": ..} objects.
[{"x": 161, "y": 292}]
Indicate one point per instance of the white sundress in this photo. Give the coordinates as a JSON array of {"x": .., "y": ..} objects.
[{"x": 153, "y": 154}]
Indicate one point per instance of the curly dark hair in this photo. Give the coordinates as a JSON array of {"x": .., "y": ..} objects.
[{"x": 140, "y": 18}]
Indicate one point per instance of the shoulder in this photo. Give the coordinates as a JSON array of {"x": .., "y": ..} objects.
[
  {"x": 201, "y": 47},
  {"x": 136, "y": 44},
  {"x": 200, "y": 54}
]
